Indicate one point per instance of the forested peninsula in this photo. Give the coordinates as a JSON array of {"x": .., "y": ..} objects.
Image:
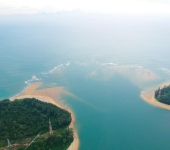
[
  {"x": 163, "y": 95},
  {"x": 22, "y": 120}
]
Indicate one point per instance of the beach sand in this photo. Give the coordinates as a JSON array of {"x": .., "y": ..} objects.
[
  {"x": 149, "y": 97},
  {"x": 50, "y": 95}
]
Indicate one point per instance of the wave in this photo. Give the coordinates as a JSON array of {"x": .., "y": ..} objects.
[
  {"x": 132, "y": 66},
  {"x": 34, "y": 78},
  {"x": 22, "y": 91},
  {"x": 28, "y": 83},
  {"x": 108, "y": 63},
  {"x": 67, "y": 64},
  {"x": 58, "y": 67},
  {"x": 166, "y": 70}
]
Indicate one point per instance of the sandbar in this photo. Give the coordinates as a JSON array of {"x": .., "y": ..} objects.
[
  {"x": 50, "y": 95},
  {"x": 150, "y": 97}
]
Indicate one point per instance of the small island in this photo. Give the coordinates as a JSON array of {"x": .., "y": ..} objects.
[
  {"x": 159, "y": 98},
  {"x": 163, "y": 94},
  {"x": 22, "y": 121}
]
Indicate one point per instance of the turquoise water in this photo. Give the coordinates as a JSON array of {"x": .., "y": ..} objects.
[
  {"x": 122, "y": 122},
  {"x": 97, "y": 59},
  {"x": 113, "y": 116}
]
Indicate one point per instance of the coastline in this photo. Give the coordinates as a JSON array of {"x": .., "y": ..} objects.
[
  {"x": 50, "y": 95},
  {"x": 149, "y": 97}
]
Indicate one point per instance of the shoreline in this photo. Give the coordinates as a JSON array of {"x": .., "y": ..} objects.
[
  {"x": 149, "y": 97},
  {"x": 49, "y": 95}
]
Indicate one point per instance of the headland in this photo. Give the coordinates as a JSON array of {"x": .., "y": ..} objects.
[
  {"x": 149, "y": 97},
  {"x": 50, "y": 95}
]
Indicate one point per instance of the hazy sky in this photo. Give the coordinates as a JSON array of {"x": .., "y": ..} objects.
[{"x": 104, "y": 6}]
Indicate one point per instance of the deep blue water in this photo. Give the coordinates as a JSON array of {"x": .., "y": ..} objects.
[{"x": 96, "y": 58}]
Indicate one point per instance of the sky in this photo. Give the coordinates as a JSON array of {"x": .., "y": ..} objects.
[{"x": 102, "y": 6}]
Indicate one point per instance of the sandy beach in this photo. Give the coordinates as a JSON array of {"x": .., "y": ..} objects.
[
  {"x": 149, "y": 97},
  {"x": 50, "y": 95}
]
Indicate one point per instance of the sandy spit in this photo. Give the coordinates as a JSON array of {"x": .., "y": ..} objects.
[
  {"x": 149, "y": 97},
  {"x": 50, "y": 95}
]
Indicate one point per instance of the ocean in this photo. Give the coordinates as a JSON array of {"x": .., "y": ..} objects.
[{"x": 104, "y": 61}]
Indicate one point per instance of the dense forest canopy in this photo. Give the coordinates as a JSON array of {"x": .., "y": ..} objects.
[
  {"x": 163, "y": 95},
  {"x": 21, "y": 119}
]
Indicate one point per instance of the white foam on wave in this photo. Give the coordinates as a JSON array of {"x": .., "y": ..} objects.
[
  {"x": 81, "y": 63},
  {"x": 67, "y": 64},
  {"x": 108, "y": 63},
  {"x": 22, "y": 91},
  {"x": 45, "y": 75},
  {"x": 120, "y": 66},
  {"x": 133, "y": 66},
  {"x": 166, "y": 70},
  {"x": 28, "y": 83},
  {"x": 56, "y": 68},
  {"x": 34, "y": 78}
]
